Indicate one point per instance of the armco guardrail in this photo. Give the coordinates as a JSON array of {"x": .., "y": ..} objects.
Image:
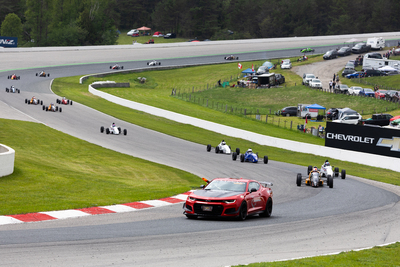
[
  {"x": 7, "y": 158},
  {"x": 345, "y": 155}
]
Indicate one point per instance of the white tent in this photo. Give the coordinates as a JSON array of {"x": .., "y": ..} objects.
[{"x": 387, "y": 68}]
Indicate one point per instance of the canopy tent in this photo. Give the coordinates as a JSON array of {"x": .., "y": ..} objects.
[
  {"x": 249, "y": 70},
  {"x": 315, "y": 106},
  {"x": 144, "y": 28},
  {"x": 268, "y": 64},
  {"x": 387, "y": 68}
]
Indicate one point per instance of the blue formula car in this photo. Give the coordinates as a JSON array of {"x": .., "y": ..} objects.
[{"x": 249, "y": 156}]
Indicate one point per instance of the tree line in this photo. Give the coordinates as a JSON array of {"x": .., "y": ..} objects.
[{"x": 95, "y": 22}]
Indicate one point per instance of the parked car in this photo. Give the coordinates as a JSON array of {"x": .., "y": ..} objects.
[
  {"x": 349, "y": 119},
  {"x": 289, "y": 111},
  {"x": 286, "y": 65},
  {"x": 347, "y": 71},
  {"x": 170, "y": 36},
  {"x": 344, "y": 51},
  {"x": 369, "y": 73},
  {"x": 307, "y": 78},
  {"x": 354, "y": 90},
  {"x": 342, "y": 88},
  {"x": 351, "y": 64},
  {"x": 378, "y": 119},
  {"x": 315, "y": 83},
  {"x": 392, "y": 95},
  {"x": 133, "y": 31},
  {"x": 356, "y": 74},
  {"x": 332, "y": 114},
  {"x": 330, "y": 54},
  {"x": 367, "y": 92},
  {"x": 360, "y": 48},
  {"x": 380, "y": 94},
  {"x": 279, "y": 78},
  {"x": 396, "y": 52},
  {"x": 374, "y": 55}
]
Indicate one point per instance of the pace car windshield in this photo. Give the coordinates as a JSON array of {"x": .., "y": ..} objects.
[{"x": 227, "y": 186}]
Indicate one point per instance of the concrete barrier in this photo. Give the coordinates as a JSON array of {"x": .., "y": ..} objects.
[
  {"x": 328, "y": 152},
  {"x": 7, "y": 158}
]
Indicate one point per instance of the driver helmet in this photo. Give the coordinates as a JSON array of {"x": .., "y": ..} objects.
[
  {"x": 223, "y": 142},
  {"x": 113, "y": 124},
  {"x": 327, "y": 163},
  {"x": 249, "y": 150},
  {"x": 315, "y": 169}
]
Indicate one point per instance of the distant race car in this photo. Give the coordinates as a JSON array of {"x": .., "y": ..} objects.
[
  {"x": 12, "y": 89},
  {"x": 117, "y": 67},
  {"x": 306, "y": 50},
  {"x": 33, "y": 101},
  {"x": 64, "y": 101},
  {"x": 222, "y": 148},
  {"x": 153, "y": 63},
  {"x": 113, "y": 129},
  {"x": 230, "y": 197},
  {"x": 328, "y": 170},
  {"x": 231, "y": 57},
  {"x": 314, "y": 178},
  {"x": 249, "y": 156},
  {"x": 52, "y": 108},
  {"x": 13, "y": 77},
  {"x": 43, "y": 74}
]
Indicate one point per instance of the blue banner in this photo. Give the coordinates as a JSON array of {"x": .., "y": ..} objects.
[{"x": 8, "y": 41}]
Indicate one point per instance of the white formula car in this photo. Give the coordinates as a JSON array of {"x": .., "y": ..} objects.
[
  {"x": 222, "y": 148},
  {"x": 113, "y": 130},
  {"x": 12, "y": 89},
  {"x": 328, "y": 170},
  {"x": 153, "y": 63}
]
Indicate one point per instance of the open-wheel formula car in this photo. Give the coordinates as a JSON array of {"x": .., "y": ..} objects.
[
  {"x": 328, "y": 170},
  {"x": 12, "y": 89},
  {"x": 64, "y": 101},
  {"x": 231, "y": 57},
  {"x": 222, "y": 148},
  {"x": 154, "y": 63},
  {"x": 52, "y": 107},
  {"x": 249, "y": 156},
  {"x": 306, "y": 50},
  {"x": 13, "y": 77},
  {"x": 113, "y": 129},
  {"x": 43, "y": 74},
  {"x": 116, "y": 67},
  {"x": 230, "y": 197},
  {"x": 314, "y": 178},
  {"x": 33, "y": 101}
]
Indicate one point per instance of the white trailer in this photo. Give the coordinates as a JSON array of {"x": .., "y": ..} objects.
[
  {"x": 376, "y": 43},
  {"x": 303, "y": 111},
  {"x": 375, "y": 63}
]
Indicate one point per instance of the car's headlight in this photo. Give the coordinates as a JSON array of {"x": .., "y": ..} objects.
[
  {"x": 191, "y": 199},
  {"x": 230, "y": 201}
]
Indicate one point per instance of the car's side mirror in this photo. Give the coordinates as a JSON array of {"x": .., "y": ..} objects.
[
  {"x": 202, "y": 186},
  {"x": 253, "y": 190}
]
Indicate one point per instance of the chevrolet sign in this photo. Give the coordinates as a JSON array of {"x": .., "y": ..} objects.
[{"x": 374, "y": 140}]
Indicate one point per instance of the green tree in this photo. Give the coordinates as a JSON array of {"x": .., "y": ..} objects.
[{"x": 11, "y": 26}]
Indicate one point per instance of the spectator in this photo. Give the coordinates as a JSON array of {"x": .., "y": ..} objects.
[{"x": 330, "y": 85}]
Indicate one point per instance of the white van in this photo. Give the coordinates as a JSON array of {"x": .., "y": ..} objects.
[
  {"x": 376, "y": 43},
  {"x": 303, "y": 111}
]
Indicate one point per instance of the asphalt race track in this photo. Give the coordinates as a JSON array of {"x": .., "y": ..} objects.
[{"x": 305, "y": 221}]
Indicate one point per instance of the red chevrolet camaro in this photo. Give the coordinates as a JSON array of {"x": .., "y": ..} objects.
[{"x": 230, "y": 197}]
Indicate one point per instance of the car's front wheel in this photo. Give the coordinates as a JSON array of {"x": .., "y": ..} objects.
[
  {"x": 243, "y": 211},
  {"x": 234, "y": 156}
]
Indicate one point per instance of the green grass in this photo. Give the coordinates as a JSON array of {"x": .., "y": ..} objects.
[
  {"x": 55, "y": 171},
  {"x": 377, "y": 256}
]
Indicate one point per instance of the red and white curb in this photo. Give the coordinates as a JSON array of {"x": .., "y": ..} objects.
[{"x": 74, "y": 213}]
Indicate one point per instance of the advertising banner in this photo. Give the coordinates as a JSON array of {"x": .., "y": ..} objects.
[
  {"x": 8, "y": 41},
  {"x": 369, "y": 139}
]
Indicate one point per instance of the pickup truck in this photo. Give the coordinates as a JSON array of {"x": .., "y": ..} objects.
[{"x": 378, "y": 119}]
